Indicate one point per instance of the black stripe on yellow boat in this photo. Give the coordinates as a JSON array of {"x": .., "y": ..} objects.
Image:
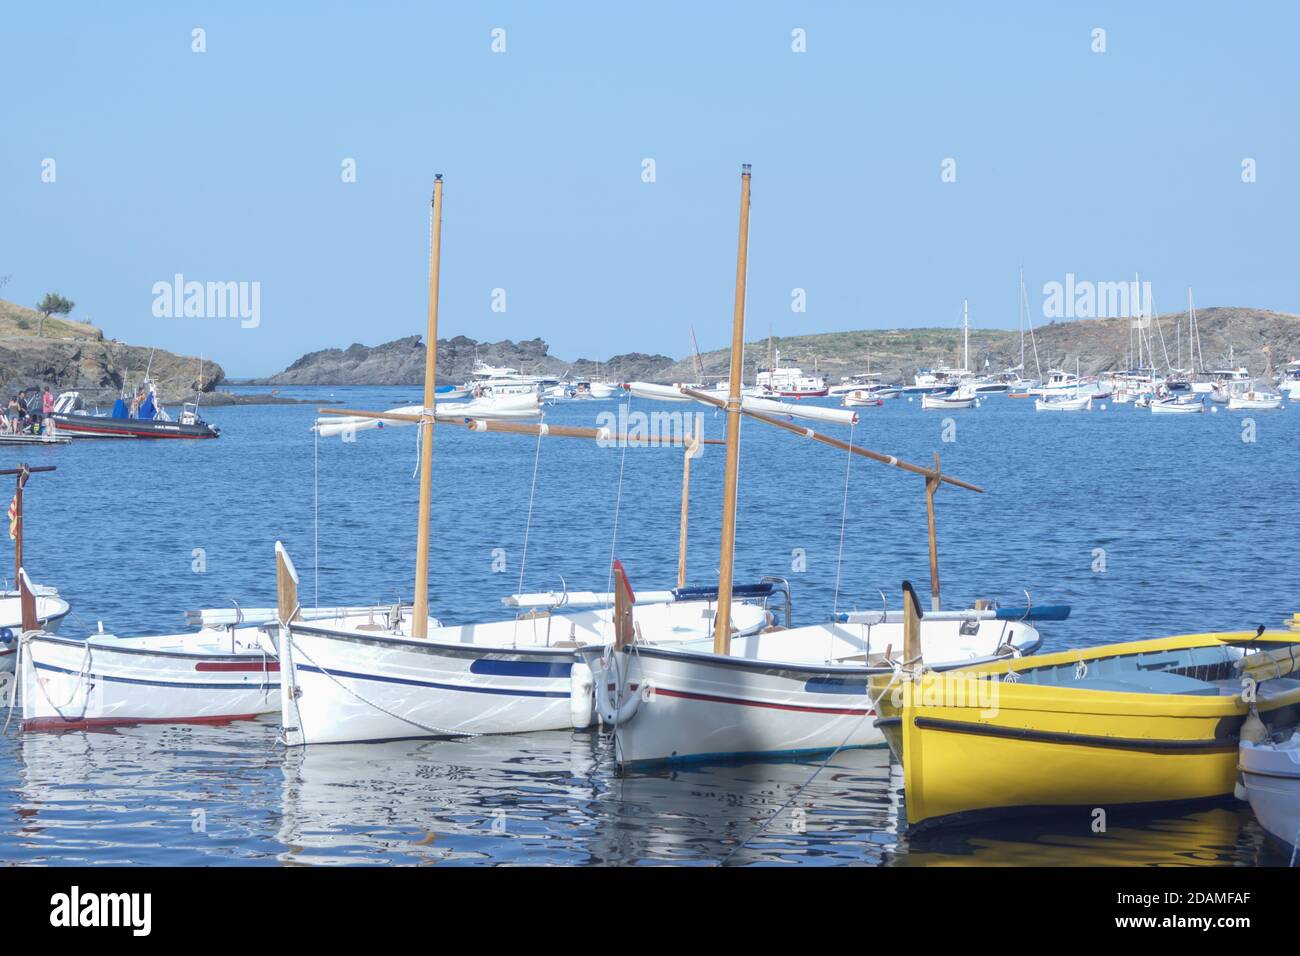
[{"x": 1080, "y": 740}]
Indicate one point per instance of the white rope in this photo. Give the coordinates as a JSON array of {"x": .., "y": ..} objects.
[
  {"x": 429, "y": 728},
  {"x": 316, "y": 510},
  {"x": 618, "y": 503},
  {"x": 844, "y": 509},
  {"x": 528, "y": 525},
  {"x": 762, "y": 828}
]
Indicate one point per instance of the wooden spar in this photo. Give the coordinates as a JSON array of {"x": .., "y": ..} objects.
[
  {"x": 572, "y": 431},
  {"x": 420, "y": 612},
  {"x": 833, "y": 442},
  {"x": 692, "y": 450},
  {"x": 527, "y": 428},
  {"x": 286, "y": 586},
  {"x": 932, "y": 483},
  {"x": 726, "y": 566},
  {"x": 23, "y": 472},
  {"x": 911, "y": 625},
  {"x": 624, "y": 627}
]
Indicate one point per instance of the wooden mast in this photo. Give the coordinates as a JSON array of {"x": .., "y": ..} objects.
[
  {"x": 692, "y": 450},
  {"x": 726, "y": 566},
  {"x": 932, "y": 483},
  {"x": 420, "y": 611}
]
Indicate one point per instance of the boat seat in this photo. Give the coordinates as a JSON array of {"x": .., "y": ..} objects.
[{"x": 1147, "y": 682}]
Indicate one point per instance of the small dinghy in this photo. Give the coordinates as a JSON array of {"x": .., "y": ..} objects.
[
  {"x": 1270, "y": 773},
  {"x": 1081, "y": 404}
]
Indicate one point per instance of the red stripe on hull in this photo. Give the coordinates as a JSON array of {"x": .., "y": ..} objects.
[
  {"x": 709, "y": 698},
  {"x": 94, "y": 723},
  {"x": 84, "y": 430},
  {"x": 272, "y": 667}
]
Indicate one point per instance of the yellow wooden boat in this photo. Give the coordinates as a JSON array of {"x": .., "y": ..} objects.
[{"x": 1092, "y": 728}]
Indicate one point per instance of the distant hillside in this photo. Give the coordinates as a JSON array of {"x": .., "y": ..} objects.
[
  {"x": 74, "y": 355},
  {"x": 1098, "y": 344},
  {"x": 401, "y": 362}
]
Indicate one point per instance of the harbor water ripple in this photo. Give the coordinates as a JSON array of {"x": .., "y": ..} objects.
[{"x": 1147, "y": 525}]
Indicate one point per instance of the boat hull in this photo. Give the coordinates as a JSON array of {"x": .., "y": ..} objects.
[
  {"x": 93, "y": 426},
  {"x": 1271, "y": 774},
  {"x": 349, "y": 685},
  {"x": 1040, "y": 747},
  {"x": 775, "y": 694},
  {"x": 696, "y": 709},
  {"x": 71, "y": 684}
]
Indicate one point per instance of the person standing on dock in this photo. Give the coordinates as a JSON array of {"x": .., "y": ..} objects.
[{"x": 47, "y": 409}]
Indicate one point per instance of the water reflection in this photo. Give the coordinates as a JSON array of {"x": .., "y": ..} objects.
[{"x": 205, "y": 795}]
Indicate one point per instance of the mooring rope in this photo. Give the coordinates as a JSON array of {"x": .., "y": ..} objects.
[
  {"x": 844, "y": 510},
  {"x": 528, "y": 525},
  {"x": 618, "y": 503},
  {"x": 762, "y": 828}
]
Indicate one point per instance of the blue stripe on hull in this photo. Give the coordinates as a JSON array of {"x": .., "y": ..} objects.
[{"x": 508, "y": 692}]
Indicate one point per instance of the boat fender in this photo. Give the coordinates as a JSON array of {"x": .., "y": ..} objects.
[
  {"x": 612, "y": 712},
  {"x": 581, "y": 699}
]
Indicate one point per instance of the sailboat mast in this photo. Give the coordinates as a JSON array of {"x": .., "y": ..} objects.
[
  {"x": 726, "y": 565},
  {"x": 965, "y": 336},
  {"x": 420, "y": 611}
]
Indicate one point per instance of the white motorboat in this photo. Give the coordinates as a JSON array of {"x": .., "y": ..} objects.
[
  {"x": 861, "y": 398},
  {"x": 1064, "y": 403},
  {"x": 963, "y": 397},
  {"x": 1270, "y": 774},
  {"x": 1249, "y": 399},
  {"x": 789, "y": 381},
  {"x": 1289, "y": 380},
  {"x": 1177, "y": 405}
]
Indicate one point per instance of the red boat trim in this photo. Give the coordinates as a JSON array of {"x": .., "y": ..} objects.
[
  {"x": 240, "y": 666},
  {"x": 90, "y": 723},
  {"x": 797, "y": 708}
]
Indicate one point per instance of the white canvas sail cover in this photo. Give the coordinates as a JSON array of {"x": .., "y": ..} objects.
[{"x": 765, "y": 406}]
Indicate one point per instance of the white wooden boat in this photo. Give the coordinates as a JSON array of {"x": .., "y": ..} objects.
[
  {"x": 212, "y": 675},
  {"x": 352, "y": 685},
  {"x": 782, "y": 692},
  {"x": 1270, "y": 773},
  {"x": 861, "y": 398},
  {"x": 1081, "y": 403},
  {"x": 50, "y": 612},
  {"x": 961, "y": 398},
  {"x": 1253, "y": 400},
  {"x": 1177, "y": 406},
  {"x": 778, "y": 691}
]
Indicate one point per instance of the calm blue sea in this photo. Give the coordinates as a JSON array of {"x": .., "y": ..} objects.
[{"x": 1146, "y": 525}]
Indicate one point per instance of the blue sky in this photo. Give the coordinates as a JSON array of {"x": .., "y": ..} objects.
[{"x": 226, "y": 165}]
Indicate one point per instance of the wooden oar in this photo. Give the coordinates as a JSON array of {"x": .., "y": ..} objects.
[{"x": 891, "y": 460}]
